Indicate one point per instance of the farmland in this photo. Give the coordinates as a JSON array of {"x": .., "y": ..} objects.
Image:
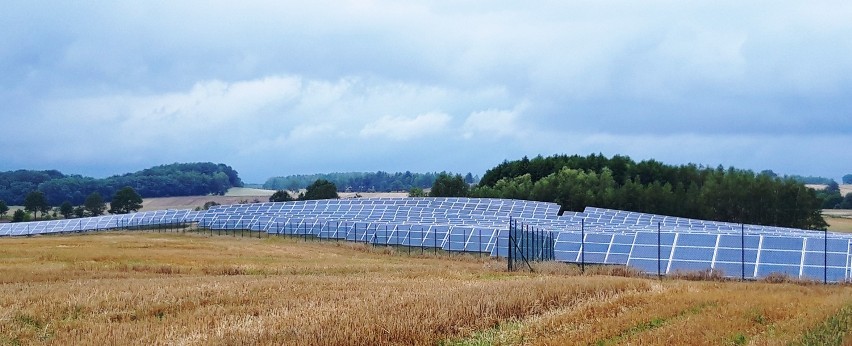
[
  {"x": 240, "y": 195},
  {"x": 167, "y": 288}
]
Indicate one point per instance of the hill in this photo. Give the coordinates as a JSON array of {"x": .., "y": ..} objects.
[{"x": 178, "y": 179}]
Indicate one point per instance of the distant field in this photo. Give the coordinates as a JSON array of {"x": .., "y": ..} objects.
[
  {"x": 839, "y": 224},
  {"x": 839, "y": 220},
  {"x": 844, "y": 188},
  {"x": 233, "y": 196},
  {"x": 190, "y": 289},
  {"x": 237, "y": 195}
]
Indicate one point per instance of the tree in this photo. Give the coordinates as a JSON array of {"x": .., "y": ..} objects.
[
  {"x": 449, "y": 186},
  {"x": 3, "y": 208},
  {"x": 94, "y": 204},
  {"x": 468, "y": 178},
  {"x": 847, "y": 202},
  {"x": 847, "y": 179},
  {"x": 281, "y": 196},
  {"x": 320, "y": 189},
  {"x": 210, "y": 204},
  {"x": 35, "y": 203},
  {"x": 125, "y": 201},
  {"x": 19, "y": 216},
  {"x": 769, "y": 173},
  {"x": 416, "y": 192},
  {"x": 79, "y": 211},
  {"x": 66, "y": 209},
  {"x": 832, "y": 187}
]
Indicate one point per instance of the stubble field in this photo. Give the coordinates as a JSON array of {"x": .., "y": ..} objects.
[{"x": 190, "y": 289}]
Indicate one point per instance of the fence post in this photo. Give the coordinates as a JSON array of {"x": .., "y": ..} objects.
[
  {"x": 435, "y": 234},
  {"x": 525, "y": 240},
  {"x": 583, "y": 246},
  {"x": 509, "y": 244},
  {"x": 509, "y": 247},
  {"x": 825, "y": 257},
  {"x": 659, "y": 253},
  {"x": 742, "y": 251}
]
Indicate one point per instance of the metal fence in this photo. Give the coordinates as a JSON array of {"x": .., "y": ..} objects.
[{"x": 527, "y": 244}]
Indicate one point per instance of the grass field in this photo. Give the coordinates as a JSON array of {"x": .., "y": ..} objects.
[
  {"x": 190, "y": 289},
  {"x": 839, "y": 224},
  {"x": 839, "y": 220}
]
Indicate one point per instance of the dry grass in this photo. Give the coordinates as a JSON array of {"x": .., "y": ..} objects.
[
  {"x": 687, "y": 313},
  {"x": 150, "y": 288},
  {"x": 839, "y": 222}
]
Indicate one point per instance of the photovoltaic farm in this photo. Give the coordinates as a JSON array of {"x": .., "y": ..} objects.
[{"x": 651, "y": 244}]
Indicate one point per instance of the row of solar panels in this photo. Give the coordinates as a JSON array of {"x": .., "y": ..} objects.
[
  {"x": 731, "y": 255},
  {"x": 481, "y": 239},
  {"x": 614, "y": 220},
  {"x": 493, "y": 213},
  {"x": 373, "y": 209},
  {"x": 104, "y": 222}
]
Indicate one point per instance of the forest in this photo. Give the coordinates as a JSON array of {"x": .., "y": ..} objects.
[
  {"x": 361, "y": 181},
  {"x": 692, "y": 191},
  {"x": 178, "y": 179}
]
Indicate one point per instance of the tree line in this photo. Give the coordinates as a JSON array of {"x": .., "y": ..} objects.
[
  {"x": 125, "y": 201},
  {"x": 445, "y": 185},
  {"x": 319, "y": 189},
  {"x": 361, "y": 181},
  {"x": 831, "y": 197},
  {"x": 731, "y": 195},
  {"x": 178, "y": 179}
]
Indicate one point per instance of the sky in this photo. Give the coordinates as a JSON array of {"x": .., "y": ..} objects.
[{"x": 275, "y": 88}]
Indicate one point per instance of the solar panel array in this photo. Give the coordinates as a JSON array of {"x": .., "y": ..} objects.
[
  {"x": 658, "y": 244},
  {"x": 452, "y": 224},
  {"x": 655, "y": 244},
  {"x": 104, "y": 222}
]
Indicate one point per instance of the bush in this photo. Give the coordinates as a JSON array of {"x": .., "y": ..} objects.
[{"x": 20, "y": 216}]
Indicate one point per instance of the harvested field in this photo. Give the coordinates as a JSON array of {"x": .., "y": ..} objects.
[
  {"x": 192, "y": 202},
  {"x": 240, "y": 195},
  {"x": 844, "y": 188},
  {"x": 838, "y": 220},
  {"x": 235, "y": 195},
  {"x": 151, "y": 288}
]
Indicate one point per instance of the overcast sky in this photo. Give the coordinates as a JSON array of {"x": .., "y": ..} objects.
[{"x": 276, "y": 87}]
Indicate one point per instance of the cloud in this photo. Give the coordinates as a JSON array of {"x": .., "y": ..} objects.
[
  {"x": 494, "y": 124},
  {"x": 105, "y": 87},
  {"x": 407, "y": 128}
]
